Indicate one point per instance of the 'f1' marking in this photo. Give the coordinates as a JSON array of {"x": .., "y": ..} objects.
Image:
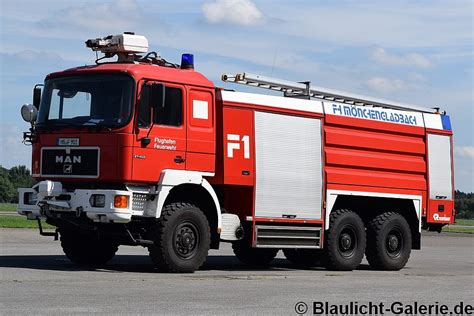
[{"x": 233, "y": 143}]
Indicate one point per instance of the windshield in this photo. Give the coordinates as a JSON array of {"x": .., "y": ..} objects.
[{"x": 85, "y": 100}]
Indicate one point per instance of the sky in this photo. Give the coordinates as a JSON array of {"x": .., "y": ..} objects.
[{"x": 417, "y": 52}]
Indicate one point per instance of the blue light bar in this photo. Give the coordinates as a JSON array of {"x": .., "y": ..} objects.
[
  {"x": 446, "y": 122},
  {"x": 187, "y": 61}
]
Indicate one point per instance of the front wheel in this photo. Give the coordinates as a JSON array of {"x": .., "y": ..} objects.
[
  {"x": 389, "y": 241},
  {"x": 344, "y": 241},
  {"x": 181, "y": 238},
  {"x": 87, "y": 249}
]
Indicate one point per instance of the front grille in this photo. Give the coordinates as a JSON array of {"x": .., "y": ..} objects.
[
  {"x": 139, "y": 202},
  {"x": 70, "y": 162}
]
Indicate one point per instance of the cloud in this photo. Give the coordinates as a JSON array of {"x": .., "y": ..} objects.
[
  {"x": 11, "y": 137},
  {"x": 118, "y": 16},
  {"x": 385, "y": 85},
  {"x": 464, "y": 151},
  {"x": 17, "y": 67},
  {"x": 37, "y": 56},
  {"x": 397, "y": 24},
  {"x": 240, "y": 12},
  {"x": 413, "y": 59},
  {"x": 414, "y": 76}
]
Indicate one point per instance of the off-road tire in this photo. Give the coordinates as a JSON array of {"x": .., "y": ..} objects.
[
  {"x": 86, "y": 249},
  {"x": 253, "y": 256},
  {"x": 345, "y": 241},
  {"x": 181, "y": 238},
  {"x": 389, "y": 241},
  {"x": 303, "y": 257}
]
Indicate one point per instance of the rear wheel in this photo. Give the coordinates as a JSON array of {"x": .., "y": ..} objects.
[
  {"x": 87, "y": 249},
  {"x": 181, "y": 238},
  {"x": 389, "y": 241},
  {"x": 344, "y": 241},
  {"x": 253, "y": 256},
  {"x": 303, "y": 257}
]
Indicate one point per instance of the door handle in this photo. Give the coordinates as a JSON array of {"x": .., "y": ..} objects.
[{"x": 178, "y": 159}]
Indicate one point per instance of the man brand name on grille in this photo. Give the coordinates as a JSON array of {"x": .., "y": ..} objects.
[{"x": 68, "y": 159}]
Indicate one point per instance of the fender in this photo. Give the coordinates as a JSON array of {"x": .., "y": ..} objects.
[
  {"x": 172, "y": 178},
  {"x": 333, "y": 194}
]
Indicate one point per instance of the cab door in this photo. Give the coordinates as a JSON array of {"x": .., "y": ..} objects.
[
  {"x": 201, "y": 142},
  {"x": 160, "y": 141}
]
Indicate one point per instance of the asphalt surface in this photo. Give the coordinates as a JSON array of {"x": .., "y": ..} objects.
[{"x": 36, "y": 278}]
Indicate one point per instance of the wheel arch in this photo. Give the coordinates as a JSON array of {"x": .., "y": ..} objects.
[
  {"x": 368, "y": 205},
  {"x": 191, "y": 187}
]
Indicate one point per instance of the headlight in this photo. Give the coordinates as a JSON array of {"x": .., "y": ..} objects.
[
  {"x": 97, "y": 200},
  {"x": 30, "y": 198}
]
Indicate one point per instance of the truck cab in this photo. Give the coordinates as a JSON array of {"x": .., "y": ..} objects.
[{"x": 111, "y": 141}]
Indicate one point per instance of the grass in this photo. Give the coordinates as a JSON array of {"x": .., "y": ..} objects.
[
  {"x": 454, "y": 229},
  {"x": 7, "y": 207},
  {"x": 464, "y": 222},
  {"x": 461, "y": 222},
  {"x": 20, "y": 222}
]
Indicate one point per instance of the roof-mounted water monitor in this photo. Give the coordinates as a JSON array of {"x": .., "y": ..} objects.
[
  {"x": 124, "y": 45},
  {"x": 131, "y": 48}
]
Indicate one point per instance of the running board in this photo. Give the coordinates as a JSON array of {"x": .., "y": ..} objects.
[{"x": 287, "y": 237}]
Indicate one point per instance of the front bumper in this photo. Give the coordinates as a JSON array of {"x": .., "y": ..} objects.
[{"x": 75, "y": 203}]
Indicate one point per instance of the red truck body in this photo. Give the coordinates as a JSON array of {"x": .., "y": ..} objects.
[{"x": 280, "y": 164}]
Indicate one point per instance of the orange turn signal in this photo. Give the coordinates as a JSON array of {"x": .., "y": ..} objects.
[{"x": 121, "y": 201}]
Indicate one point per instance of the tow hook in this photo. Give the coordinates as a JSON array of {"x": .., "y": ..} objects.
[
  {"x": 139, "y": 241},
  {"x": 43, "y": 233},
  {"x": 79, "y": 211}
]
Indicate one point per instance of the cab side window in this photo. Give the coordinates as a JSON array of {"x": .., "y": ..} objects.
[
  {"x": 144, "y": 113},
  {"x": 172, "y": 113}
]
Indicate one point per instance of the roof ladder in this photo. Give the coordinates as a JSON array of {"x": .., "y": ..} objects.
[{"x": 306, "y": 90}]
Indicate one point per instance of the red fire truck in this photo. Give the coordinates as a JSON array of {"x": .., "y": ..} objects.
[{"x": 141, "y": 151}]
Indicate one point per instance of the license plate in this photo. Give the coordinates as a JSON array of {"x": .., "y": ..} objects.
[{"x": 68, "y": 141}]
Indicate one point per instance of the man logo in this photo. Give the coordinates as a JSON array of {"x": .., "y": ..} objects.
[
  {"x": 68, "y": 159},
  {"x": 67, "y": 169}
]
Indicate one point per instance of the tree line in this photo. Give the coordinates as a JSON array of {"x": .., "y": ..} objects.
[
  {"x": 464, "y": 204},
  {"x": 20, "y": 177},
  {"x": 10, "y": 180}
]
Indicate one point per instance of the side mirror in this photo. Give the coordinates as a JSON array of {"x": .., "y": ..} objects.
[
  {"x": 157, "y": 95},
  {"x": 29, "y": 113},
  {"x": 36, "y": 97}
]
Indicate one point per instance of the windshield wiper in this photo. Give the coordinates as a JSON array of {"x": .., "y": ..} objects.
[{"x": 93, "y": 122}]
